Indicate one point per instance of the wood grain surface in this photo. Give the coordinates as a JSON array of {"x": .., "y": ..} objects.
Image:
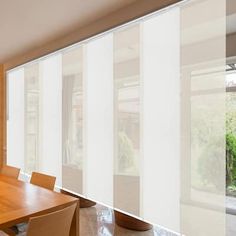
[{"x": 19, "y": 201}]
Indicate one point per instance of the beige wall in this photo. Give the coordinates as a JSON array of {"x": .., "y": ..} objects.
[
  {"x": 131, "y": 12},
  {"x": 2, "y": 116}
]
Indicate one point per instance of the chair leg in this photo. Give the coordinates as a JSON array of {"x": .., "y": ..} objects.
[{"x": 9, "y": 232}]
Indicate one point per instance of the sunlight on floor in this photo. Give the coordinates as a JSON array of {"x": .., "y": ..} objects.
[{"x": 99, "y": 221}]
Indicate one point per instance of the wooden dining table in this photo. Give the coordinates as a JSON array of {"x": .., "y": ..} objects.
[{"x": 20, "y": 200}]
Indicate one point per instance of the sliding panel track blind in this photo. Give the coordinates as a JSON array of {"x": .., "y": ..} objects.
[
  {"x": 73, "y": 120},
  {"x": 203, "y": 161},
  {"x": 133, "y": 118},
  {"x": 51, "y": 117},
  {"x": 32, "y": 117},
  {"x": 15, "y": 118},
  {"x": 161, "y": 119},
  {"x": 127, "y": 119},
  {"x": 99, "y": 119}
]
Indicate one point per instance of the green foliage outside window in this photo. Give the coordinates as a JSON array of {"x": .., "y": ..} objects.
[
  {"x": 207, "y": 151},
  {"x": 126, "y": 154},
  {"x": 231, "y": 144},
  {"x": 230, "y": 160}
]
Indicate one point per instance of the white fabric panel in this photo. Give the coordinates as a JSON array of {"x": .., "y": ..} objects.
[
  {"x": 99, "y": 119},
  {"x": 72, "y": 120},
  {"x": 161, "y": 123},
  {"x": 15, "y": 122},
  {"x": 51, "y": 113},
  {"x": 203, "y": 117},
  {"x": 168, "y": 113}
]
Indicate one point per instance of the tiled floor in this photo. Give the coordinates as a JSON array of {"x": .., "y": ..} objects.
[{"x": 99, "y": 221}]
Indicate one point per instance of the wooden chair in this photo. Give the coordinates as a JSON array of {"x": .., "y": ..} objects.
[
  {"x": 42, "y": 180},
  {"x": 10, "y": 171},
  {"x": 55, "y": 223}
]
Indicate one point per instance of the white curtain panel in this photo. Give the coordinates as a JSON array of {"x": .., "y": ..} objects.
[
  {"x": 15, "y": 118},
  {"x": 73, "y": 120},
  {"x": 51, "y": 117},
  {"x": 99, "y": 120},
  {"x": 161, "y": 119},
  {"x": 203, "y": 177},
  {"x": 133, "y": 119}
]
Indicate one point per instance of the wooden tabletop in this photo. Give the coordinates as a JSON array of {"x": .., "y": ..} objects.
[{"x": 19, "y": 201}]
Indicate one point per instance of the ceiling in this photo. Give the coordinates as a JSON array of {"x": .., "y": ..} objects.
[{"x": 28, "y": 24}]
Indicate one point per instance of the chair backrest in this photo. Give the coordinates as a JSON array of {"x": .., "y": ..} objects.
[
  {"x": 10, "y": 171},
  {"x": 42, "y": 180},
  {"x": 56, "y": 223}
]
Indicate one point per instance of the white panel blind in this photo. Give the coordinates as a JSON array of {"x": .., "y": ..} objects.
[
  {"x": 99, "y": 119},
  {"x": 73, "y": 120},
  {"x": 140, "y": 125},
  {"x": 161, "y": 120},
  {"x": 15, "y": 121},
  {"x": 51, "y": 113},
  {"x": 127, "y": 144},
  {"x": 204, "y": 145}
]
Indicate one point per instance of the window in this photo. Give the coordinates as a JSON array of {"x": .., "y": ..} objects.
[
  {"x": 231, "y": 131},
  {"x": 133, "y": 118},
  {"x": 72, "y": 118},
  {"x": 32, "y": 118},
  {"x": 127, "y": 119}
]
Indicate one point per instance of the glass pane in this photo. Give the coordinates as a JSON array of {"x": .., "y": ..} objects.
[
  {"x": 127, "y": 119},
  {"x": 32, "y": 96},
  {"x": 203, "y": 64},
  {"x": 231, "y": 137},
  {"x": 72, "y": 118}
]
